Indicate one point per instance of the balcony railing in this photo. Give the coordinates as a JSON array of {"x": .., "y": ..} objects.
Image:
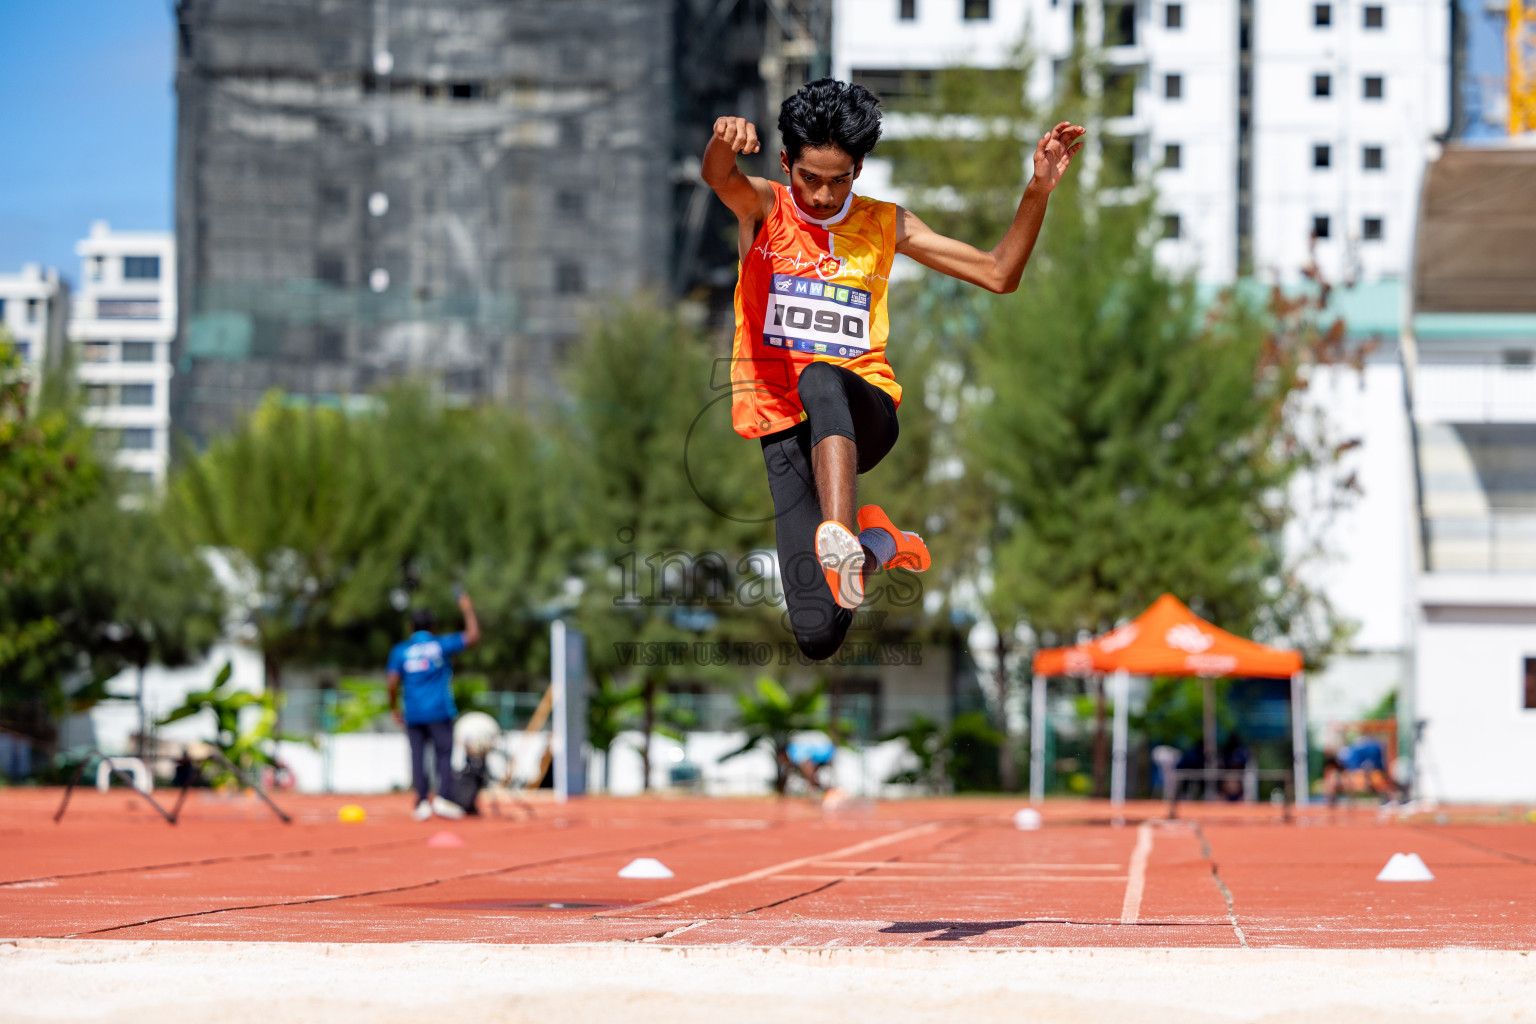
[
  {"x": 1475, "y": 393},
  {"x": 1502, "y": 541}
]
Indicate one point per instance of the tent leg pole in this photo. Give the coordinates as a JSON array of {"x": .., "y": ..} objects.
[
  {"x": 1208, "y": 716},
  {"x": 1037, "y": 740},
  {"x": 1299, "y": 735},
  {"x": 1121, "y": 738}
]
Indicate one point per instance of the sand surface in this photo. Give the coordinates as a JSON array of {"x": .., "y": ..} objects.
[{"x": 461, "y": 983}]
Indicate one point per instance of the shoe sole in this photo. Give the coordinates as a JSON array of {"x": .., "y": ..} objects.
[
  {"x": 911, "y": 552},
  {"x": 842, "y": 563}
]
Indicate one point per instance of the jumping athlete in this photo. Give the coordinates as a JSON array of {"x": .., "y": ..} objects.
[{"x": 808, "y": 371}]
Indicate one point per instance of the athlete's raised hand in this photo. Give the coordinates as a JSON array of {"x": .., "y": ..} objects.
[
  {"x": 1054, "y": 153},
  {"x": 738, "y": 133}
]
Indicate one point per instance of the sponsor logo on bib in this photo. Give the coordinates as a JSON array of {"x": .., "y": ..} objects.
[{"x": 810, "y": 316}]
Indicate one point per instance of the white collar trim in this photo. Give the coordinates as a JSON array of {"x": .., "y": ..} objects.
[{"x": 839, "y": 215}]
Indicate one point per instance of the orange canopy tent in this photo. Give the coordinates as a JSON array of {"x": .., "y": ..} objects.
[{"x": 1167, "y": 640}]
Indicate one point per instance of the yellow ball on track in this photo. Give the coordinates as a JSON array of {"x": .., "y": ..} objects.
[{"x": 352, "y": 813}]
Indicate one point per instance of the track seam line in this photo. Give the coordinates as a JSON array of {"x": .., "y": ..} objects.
[
  {"x": 1474, "y": 845},
  {"x": 1136, "y": 879},
  {"x": 379, "y": 892},
  {"x": 231, "y": 859},
  {"x": 690, "y": 926},
  {"x": 752, "y": 876},
  {"x": 1226, "y": 894}
]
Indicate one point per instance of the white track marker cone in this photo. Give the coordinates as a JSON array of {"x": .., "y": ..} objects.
[
  {"x": 1027, "y": 819},
  {"x": 645, "y": 867},
  {"x": 1405, "y": 867}
]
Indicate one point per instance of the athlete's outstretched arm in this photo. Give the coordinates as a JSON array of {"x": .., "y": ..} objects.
[
  {"x": 749, "y": 198},
  {"x": 1000, "y": 269}
]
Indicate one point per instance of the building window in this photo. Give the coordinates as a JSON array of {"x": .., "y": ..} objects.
[
  {"x": 1370, "y": 229},
  {"x": 31, "y": 311},
  {"x": 1320, "y": 226},
  {"x": 1322, "y": 156},
  {"x": 23, "y": 350},
  {"x": 976, "y": 10},
  {"x": 1373, "y": 158},
  {"x": 97, "y": 352},
  {"x": 1173, "y": 16},
  {"x": 1322, "y": 15},
  {"x": 466, "y": 90},
  {"x": 1119, "y": 24},
  {"x": 331, "y": 269},
  {"x": 141, "y": 268},
  {"x": 569, "y": 279},
  {"x": 136, "y": 439},
  {"x": 1375, "y": 87},
  {"x": 1375, "y": 16},
  {"x": 1173, "y": 156},
  {"x": 571, "y": 202},
  {"x": 128, "y": 309},
  {"x": 138, "y": 351},
  {"x": 330, "y": 346},
  {"x": 98, "y": 395},
  {"x": 906, "y": 10},
  {"x": 1173, "y": 87},
  {"x": 137, "y": 395},
  {"x": 2, "y": 311},
  {"x": 1172, "y": 226},
  {"x": 1530, "y": 684},
  {"x": 97, "y": 263},
  {"x": 1322, "y": 85}
]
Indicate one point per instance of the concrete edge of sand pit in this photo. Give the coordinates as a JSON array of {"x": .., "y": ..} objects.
[{"x": 826, "y": 956}]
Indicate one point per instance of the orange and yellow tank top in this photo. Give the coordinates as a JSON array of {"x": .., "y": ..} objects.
[{"x": 810, "y": 291}]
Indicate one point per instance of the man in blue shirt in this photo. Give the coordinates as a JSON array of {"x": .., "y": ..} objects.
[{"x": 419, "y": 667}]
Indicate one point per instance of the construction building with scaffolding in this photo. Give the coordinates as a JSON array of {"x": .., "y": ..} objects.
[{"x": 448, "y": 189}]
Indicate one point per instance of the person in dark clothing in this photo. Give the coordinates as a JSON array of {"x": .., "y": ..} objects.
[{"x": 419, "y": 668}]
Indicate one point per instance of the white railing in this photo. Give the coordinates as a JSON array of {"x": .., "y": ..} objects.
[
  {"x": 1475, "y": 393},
  {"x": 1504, "y": 540}
]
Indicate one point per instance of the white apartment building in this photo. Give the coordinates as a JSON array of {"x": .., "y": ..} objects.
[
  {"x": 1473, "y": 365},
  {"x": 32, "y": 308},
  {"x": 1348, "y": 97},
  {"x": 1259, "y": 122},
  {"x": 122, "y": 325}
]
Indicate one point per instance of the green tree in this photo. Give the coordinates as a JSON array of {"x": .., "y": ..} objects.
[
  {"x": 670, "y": 503},
  {"x": 1128, "y": 435},
  {"x": 244, "y": 744},
  {"x": 313, "y": 519},
  {"x": 122, "y": 594},
  {"x": 338, "y": 522},
  {"x": 48, "y": 468},
  {"x": 771, "y": 715}
]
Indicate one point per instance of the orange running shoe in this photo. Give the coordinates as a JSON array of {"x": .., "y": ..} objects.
[
  {"x": 842, "y": 562},
  {"x": 911, "y": 552}
]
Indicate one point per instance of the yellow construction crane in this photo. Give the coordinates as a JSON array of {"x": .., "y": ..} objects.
[{"x": 1522, "y": 66}]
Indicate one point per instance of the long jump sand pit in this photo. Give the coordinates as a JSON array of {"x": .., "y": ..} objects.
[
  {"x": 888, "y": 912},
  {"x": 384, "y": 983}
]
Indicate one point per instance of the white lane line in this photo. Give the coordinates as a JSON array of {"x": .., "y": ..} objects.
[
  {"x": 950, "y": 878},
  {"x": 1018, "y": 865},
  {"x": 1136, "y": 881},
  {"x": 789, "y": 865}
]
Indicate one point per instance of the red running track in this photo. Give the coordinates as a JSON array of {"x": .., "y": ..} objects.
[{"x": 924, "y": 873}]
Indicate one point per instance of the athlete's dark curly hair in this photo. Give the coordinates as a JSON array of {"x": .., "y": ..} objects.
[{"x": 827, "y": 111}]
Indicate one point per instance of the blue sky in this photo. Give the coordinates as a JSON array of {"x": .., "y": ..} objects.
[{"x": 88, "y": 102}]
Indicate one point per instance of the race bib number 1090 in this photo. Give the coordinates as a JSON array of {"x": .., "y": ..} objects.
[{"x": 808, "y": 315}]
